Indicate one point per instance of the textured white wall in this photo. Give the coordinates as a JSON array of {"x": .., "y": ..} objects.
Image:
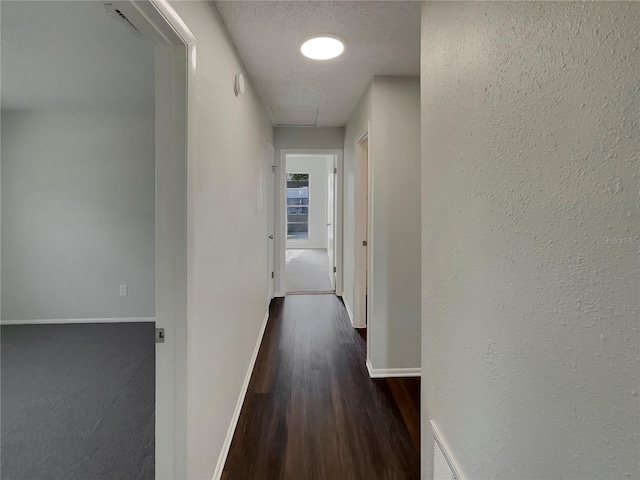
[
  {"x": 230, "y": 286},
  {"x": 77, "y": 215},
  {"x": 316, "y": 167},
  {"x": 530, "y": 159}
]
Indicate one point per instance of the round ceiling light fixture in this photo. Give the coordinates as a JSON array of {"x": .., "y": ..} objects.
[{"x": 322, "y": 47}]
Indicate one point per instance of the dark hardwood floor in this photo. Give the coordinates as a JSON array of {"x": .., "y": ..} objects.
[{"x": 311, "y": 410}]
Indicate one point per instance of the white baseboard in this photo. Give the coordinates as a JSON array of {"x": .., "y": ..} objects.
[
  {"x": 47, "y": 321},
  {"x": 349, "y": 311},
  {"x": 279, "y": 295},
  {"x": 217, "y": 474},
  {"x": 392, "y": 372}
]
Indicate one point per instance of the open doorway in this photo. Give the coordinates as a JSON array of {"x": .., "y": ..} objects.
[
  {"x": 310, "y": 237},
  {"x": 108, "y": 205},
  {"x": 78, "y": 243},
  {"x": 310, "y": 221}
]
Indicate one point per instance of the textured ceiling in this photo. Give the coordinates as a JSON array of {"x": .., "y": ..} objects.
[
  {"x": 381, "y": 38},
  {"x": 72, "y": 55}
]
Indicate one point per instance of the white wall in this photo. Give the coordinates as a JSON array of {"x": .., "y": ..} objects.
[
  {"x": 77, "y": 215},
  {"x": 307, "y": 137},
  {"x": 394, "y": 333},
  {"x": 530, "y": 160},
  {"x": 230, "y": 278},
  {"x": 317, "y": 168},
  {"x": 391, "y": 105}
]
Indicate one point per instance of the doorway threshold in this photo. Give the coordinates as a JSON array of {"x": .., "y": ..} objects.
[{"x": 312, "y": 292}]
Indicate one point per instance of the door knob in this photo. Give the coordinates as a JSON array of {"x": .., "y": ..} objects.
[{"x": 271, "y": 237}]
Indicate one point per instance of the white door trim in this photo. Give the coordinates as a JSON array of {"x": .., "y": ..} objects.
[
  {"x": 330, "y": 215},
  {"x": 361, "y": 311},
  {"x": 175, "y": 48},
  {"x": 280, "y": 217},
  {"x": 271, "y": 224}
]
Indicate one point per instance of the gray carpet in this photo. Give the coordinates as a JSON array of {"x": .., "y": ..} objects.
[
  {"x": 307, "y": 270},
  {"x": 77, "y": 402}
]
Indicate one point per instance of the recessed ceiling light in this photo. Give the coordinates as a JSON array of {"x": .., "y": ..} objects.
[{"x": 322, "y": 47}]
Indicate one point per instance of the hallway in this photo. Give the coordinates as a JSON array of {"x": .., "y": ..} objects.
[{"x": 311, "y": 410}]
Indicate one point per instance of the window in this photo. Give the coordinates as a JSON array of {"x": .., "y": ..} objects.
[{"x": 297, "y": 206}]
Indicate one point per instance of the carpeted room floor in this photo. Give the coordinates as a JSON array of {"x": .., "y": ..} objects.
[
  {"x": 307, "y": 270},
  {"x": 77, "y": 402}
]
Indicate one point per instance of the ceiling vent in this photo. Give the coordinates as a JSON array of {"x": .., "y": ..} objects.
[
  {"x": 115, "y": 12},
  {"x": 444, "y": 467}
]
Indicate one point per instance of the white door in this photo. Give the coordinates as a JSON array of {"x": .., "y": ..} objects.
[
  {"x": 331, "y": 216},
  {"x": 271, "y": 224}
]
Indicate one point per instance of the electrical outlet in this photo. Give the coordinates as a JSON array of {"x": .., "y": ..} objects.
[{"x": 123, "y": 290}]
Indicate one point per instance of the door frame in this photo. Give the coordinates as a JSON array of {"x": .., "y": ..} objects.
[
  {"x": 271, "y": 223},
  {"x": 363, "y": 265},
  {"x": 330, "y": 214},
  {"x": 175, "y": 54},
  {"x": 280, "y": 217}
]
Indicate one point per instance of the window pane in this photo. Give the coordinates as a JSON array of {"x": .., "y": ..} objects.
[
  {"x": 298, "y": 177},
  {"x": 297, "y": 209},
  {"x": 297, "y": 201},
  {"x": 297, "y": 206}
]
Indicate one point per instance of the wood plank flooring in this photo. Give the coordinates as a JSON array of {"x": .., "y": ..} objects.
[{"x": 311, "y": 410}]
